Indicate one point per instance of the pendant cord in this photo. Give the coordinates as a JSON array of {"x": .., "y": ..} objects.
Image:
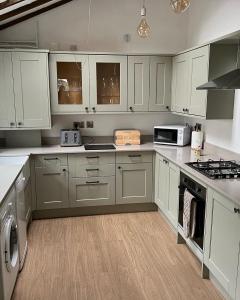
[
  {"x": 238, "y": 53},
  {"x": 89, "y": 23}
]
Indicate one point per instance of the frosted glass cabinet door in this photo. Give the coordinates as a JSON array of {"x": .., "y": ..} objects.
[
  {"x": 31, "y": 88},
  {"x": 69, "y": 80},
  {"x": 138, "y": 83},
  {"x": 7, "y": 108},
  {"x": 108, "y": 83},
  {"x": 160, "y": 83}
]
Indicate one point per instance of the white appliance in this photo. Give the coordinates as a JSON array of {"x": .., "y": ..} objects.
[
  {"x": 20, "y": 185},
  {"x": 9, "y": 255},
  {"x": 177, "y": 135}
]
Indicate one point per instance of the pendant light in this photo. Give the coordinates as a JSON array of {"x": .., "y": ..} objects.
[
  {"x": 179, "y": 6},
  {"x": 143, "y": 27}
]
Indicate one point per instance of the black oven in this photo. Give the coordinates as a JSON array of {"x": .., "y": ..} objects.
[{"x": 199, "y": 195}]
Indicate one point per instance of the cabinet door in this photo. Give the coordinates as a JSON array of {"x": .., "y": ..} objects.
[
  {"x": 133, "y": 183},
  {"x": 92, "y": 191},
  {"x": 173, "y": 197},
  {"x": 69, "y": 80},
  {"x": 7, "y": 107},
  {"x": 108, "y": 82},
  {"x": 222, "y": 238},
  {"x": 161, "y": 182},
  {"x": 31, "y": 88},
  {"x": 51, "y": 188},
  {"x": 199, "y": 60},
  {"x": 138, "y": 83},
  {"x": 180, "y": 84},
  {"x": 28, "y": 201},
  {"x": 160, "y": 83}
]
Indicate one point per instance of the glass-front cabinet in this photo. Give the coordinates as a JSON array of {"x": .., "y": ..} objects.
[
  {"x": 108, "y": 82},
  {"x": 69, "y": 74}
]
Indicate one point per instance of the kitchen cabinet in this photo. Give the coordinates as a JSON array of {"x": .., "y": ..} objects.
[
  {"x": 149, "y": 83},
  {"x": 133, "y": 178},
  {"x": 69, "y": 81},
  {"x": 24, "y": 90},
  {"x": 196, "y": 67},
  {"x": 108, "y": 83},
  {"x": 7, "y": 109},
  {"x": 138, "y": 83},
  {"x": 167, "y": 177},
  {"x": 222, "y": 241},
  {"x": 91, "y": 179},
  {"x": 160, "y": 83},
  {"x": 51, "y": 181},
  {"x": 92, "y": 191}
]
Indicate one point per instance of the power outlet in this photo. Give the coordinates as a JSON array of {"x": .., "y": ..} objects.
[
  {"x": 90, "y": 124},
  {"x": 80, "y": 124}
]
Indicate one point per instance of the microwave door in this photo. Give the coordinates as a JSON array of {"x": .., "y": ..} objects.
[{"x": 166, "y": 136}]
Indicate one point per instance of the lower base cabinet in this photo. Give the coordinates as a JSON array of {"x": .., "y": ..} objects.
[
  {"x": 51, "y": 188},
  {"x": 222, "y": 242},
  {"x": 92, "y": 191},
  {"x": 134, "y": 183},
  {"x": 167, "y": 177}
]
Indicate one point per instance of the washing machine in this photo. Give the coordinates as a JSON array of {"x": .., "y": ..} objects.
[{"x": 9, "y": 255}]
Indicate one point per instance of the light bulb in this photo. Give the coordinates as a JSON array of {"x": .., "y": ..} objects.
[
  {"x": 143, "y": 28},
  {"x": 180, "y": 6}
]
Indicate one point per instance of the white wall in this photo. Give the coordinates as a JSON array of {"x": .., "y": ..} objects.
[
  {"x": 208, "y": 20},
  {"x": 105, "y": 124},
  {"x": 110, "y": 21}
]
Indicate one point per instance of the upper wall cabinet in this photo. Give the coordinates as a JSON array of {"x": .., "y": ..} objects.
[
  {"x": 108, "y": 82},
  {"x": 196, "y": 67},
  {"x": 69, "y": 81},
  {"x": 24, "y": 90},
  {"x": 149, "y": 83}
]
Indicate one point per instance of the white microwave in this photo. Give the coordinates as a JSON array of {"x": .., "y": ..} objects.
[{"x": 176, "y": 135}]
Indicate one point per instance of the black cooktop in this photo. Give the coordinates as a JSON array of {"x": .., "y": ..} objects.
[
  {"x": 221, "y": 169},
  {"x": 99, "y": 146}
]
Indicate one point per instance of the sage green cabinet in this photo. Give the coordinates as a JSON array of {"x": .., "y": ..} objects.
[
  {"x": 51, "y": 181},
  {"x": 92, "y": 191},
  {"x": 149, "y": 83},
  {"x": 222, "y": 241},
  {"x": 133, "y": 183},
  {"x": 51, "y": 188},
  {"x": 160, "y": 83},
  {"x": 7, "y": 109},
  {"x": 167, "y": 177},
  {"x": 196, "y": 67},
  {"x": 24, "y": 83}
]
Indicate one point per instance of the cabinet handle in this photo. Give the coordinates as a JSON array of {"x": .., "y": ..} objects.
[
  {"x": 167, "y": 107},
  {"x": 165, "y": 161},
  {"x": 64, "y": 170},
  {"x": 119, "y": 167},
  {"x": 86, "y": 108},
  {"x": 56, "y": 173},
  {"x": 94, "y": 109},
  {"x": 92, "y": 157},
  {"x": 131, "y": 108},
  {"x": 51, "y": 158},
  {"x": 134, "y": 155},
  {"x": 12, "y": 123},
  {"x": 187, "y": 110},
  {"x": 88, "y": 170},
  {"x": 20, "y": 123},
  {"x": 92, "y": 182},
  {"x": 237, "y": 210}
]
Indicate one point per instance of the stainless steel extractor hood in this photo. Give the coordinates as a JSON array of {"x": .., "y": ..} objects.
[{"x": 228, "y": 81}]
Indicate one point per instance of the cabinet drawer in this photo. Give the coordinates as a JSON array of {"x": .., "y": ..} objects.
[
  {"x": 134, "y": 157},
  {"x": 51, "y": 161},
  {"x": 92, "y": 192},
  {"x": 91, "y": 159},
  {"x": 77, "y": 170}
]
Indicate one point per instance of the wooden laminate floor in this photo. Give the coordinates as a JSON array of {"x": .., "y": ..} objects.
[{"x": 125, "y": 256}]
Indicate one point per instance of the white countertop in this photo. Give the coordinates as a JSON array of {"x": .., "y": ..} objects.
[{"x": 230, "y": 188}]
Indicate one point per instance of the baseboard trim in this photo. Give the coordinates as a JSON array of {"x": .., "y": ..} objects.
[{"x": 93, "y": 210}]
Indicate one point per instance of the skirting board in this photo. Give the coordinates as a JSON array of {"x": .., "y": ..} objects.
[{"x": 93, "y": 210}]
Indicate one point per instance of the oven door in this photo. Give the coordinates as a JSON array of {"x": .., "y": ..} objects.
[{"x": 166, "y": 136}]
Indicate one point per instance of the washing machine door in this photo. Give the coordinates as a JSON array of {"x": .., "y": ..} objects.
[{"x": 11, "y": 244}]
